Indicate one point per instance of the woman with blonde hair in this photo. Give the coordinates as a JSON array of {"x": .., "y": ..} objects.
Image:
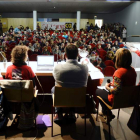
[
  {"x": 110, "y": 55},
  {"x": 125, "y": 75}
]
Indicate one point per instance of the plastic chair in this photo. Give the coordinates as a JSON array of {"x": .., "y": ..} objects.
[
  {"x": 72, "y": 97},
  {"x": 102, "y": 53},
  {"x": 33, "y": 57},
  {"x": 92, "y": 45},
  {"x": 109, "y": 71},
  {"x": 30, "y": 53},
  {"x": 109, "y": 63},
  {"x": 131, "y": 95},
  {"x": 121, "y": 45},
  {"x": 56, "y": 58}
]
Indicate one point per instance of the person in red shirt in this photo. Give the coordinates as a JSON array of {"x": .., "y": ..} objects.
[
  {"x": 125, "y": 75},
  {"x": 20, "y": 71}
]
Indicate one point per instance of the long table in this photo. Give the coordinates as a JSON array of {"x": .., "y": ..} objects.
[{"x": 47, "y": 81}]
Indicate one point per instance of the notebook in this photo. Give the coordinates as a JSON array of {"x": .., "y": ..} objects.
[{"x": 45, "y": 63}]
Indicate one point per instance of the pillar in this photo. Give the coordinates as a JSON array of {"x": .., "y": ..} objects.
[{"x": 78, "y": 19}]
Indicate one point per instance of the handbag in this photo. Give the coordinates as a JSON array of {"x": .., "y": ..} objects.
[{"x": 134, "y": 121}]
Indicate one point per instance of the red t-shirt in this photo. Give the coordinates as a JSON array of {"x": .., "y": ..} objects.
[
  {"x": 127, "y": 77},
  {"x": 138, "y": 52},
  {"x": 23, "y": 72}
]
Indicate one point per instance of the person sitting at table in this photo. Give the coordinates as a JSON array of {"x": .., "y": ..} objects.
[
  {"x": 99, "y": 63},
  {"x": 125, "y": 75},
  {"x": 72, "y": 74},
  {"x": 20, "y": 71}
]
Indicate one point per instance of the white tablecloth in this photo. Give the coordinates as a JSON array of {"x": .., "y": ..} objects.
[{"x": 93, "y": 71}]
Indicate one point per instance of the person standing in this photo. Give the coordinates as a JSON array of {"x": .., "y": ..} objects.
[
  {"x": 124, "y": 34},
  {"x": 74, "y": 27}
]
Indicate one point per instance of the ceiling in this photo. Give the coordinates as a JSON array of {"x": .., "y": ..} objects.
[{"x": 61, "y": 6}]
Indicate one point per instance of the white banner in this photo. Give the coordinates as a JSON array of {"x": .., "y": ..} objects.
[{"x": 54, "y": 25}]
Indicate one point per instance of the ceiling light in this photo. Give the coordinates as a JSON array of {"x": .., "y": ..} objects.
[{"x": 54, "y": 7}]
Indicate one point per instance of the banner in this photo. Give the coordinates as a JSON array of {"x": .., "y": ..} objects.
[
  {"x": 56, "y": 25},
  {"x": 68, "y": 25}
]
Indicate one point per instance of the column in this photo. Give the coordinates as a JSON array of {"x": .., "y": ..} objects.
[
  {"x": 78, "y": 19},
  {"x": 34, "y": 20}
]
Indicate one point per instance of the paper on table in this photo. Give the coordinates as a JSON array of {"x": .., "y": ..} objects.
[
  {"x": 102, "y": 87},
  {"x": 96, "y": 75}
]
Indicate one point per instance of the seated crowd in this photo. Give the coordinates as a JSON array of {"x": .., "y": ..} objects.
[{"x": 101, "y": 44}]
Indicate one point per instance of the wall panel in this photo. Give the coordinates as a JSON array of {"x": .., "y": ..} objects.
[{"x": 15, "y": 22}]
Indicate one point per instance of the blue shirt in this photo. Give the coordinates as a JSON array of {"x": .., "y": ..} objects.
[{"x": 16, "y": 30}]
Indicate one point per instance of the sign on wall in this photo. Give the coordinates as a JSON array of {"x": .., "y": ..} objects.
[
  {"x": 56, "y": 25},
  {"x": 68, "y": 25}
]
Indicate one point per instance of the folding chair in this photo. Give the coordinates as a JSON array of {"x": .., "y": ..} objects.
[
  {"x": 18, "y": 91},
  {"x": 127, "y": 97},
  {"x": 109, "y": 71},
  {"x": 72, "y": 97}
]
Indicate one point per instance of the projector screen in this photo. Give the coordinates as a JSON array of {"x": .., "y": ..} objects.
[{"x": 99, "y": 22}]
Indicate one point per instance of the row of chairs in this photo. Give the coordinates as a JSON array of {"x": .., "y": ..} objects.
[
  {"x": 23, "y": 91},
  {"x": 72, "y": 97}
]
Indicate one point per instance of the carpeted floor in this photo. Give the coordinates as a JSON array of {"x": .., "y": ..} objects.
[{"x": 96, "y": 130}]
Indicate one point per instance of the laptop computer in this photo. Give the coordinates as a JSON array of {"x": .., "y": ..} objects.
[{"x": 45, "y": 63}]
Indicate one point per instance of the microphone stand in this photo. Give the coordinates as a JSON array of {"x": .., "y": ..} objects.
[
  {"x": 4, "y": 60},
  {"x": 57, "y": 56},
  {"x": 3, "y": 57}
]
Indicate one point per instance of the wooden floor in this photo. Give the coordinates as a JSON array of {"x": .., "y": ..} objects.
[{"x": 95, "y": 130}]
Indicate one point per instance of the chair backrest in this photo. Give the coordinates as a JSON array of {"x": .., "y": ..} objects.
[
  {"x": 33, "y": 57},
  {"x": 127, "y": 97},
  {"x": 109, "y": 63},
  {"x": 18, "y": 90},
  {"x": 56, "y": 57},
  {"x": 109, "y": 71},
  {"x": 102, "y": 53},
  {"x": 121, "y": 45},
  {"x": 69, "y": 97}
]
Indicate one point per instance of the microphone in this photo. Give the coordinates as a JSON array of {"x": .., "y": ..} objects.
[
  {"x": 4, "y": 60},
  {"x": 108, "y": 81}
]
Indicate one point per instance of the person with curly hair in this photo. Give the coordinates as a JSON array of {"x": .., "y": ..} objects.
[{"x": 20, "y": 71}]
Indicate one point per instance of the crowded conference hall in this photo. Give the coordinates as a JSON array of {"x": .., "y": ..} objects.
[{"x": 70, "y": 69}]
